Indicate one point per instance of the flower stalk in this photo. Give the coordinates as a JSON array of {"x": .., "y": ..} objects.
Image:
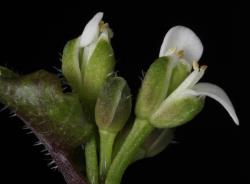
[
  {"x": 92, "y": 161},
  {"x": 140, "y": 131},
  {"x": 106, "y": 149}
]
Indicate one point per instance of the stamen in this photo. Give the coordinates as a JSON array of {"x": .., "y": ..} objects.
[
  {"x": 103, "y": 26},
  {"x": 196, "y": 65},
  {"x": 105, "y": 30},
  {"x": 101, "y": 23},
  {"x": 180, "y": 53},
  {"x": 193, "y": 78}
]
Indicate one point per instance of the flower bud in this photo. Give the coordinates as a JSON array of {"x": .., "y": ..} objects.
[
  {"x": 113, "y": 105},
  {"x": 89, "y": 59},
  {"x": 154, "y": 88}
]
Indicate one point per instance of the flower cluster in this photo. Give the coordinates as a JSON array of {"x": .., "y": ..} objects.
[{"x": 96, "y": 115}]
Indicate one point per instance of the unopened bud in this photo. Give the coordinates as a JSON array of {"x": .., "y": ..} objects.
[
  {"x": 88, "y": 60},
  {"x": 113, "y": 105}
]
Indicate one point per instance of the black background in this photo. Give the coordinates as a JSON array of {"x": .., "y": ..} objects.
[{"x": 208, "y": 149}]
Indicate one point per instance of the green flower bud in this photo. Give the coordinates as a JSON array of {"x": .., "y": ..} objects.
[
  {"x": 112, "y": 110},
  {"x": 88, "y": 60},
  {"x": 113, "y": 105},
  {"x": 154, "y": 88}
]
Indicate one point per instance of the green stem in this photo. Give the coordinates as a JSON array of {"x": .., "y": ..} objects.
[
  {"x": 91, "y": 161},
  {"x": 106, "y": 148},
  {"x": 141, "y": 129}
]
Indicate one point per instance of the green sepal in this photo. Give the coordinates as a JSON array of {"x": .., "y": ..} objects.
[
  {"x": 157, "y": 141},
  {"x": 71, "y": 64},
  {"x": 96, "y": 70},
  {"x": 175, "y": 111},
  {"x": 154, "y": 88},
  {"x": 154, "y": 144}
]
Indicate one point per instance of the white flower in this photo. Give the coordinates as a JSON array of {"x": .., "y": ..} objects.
[
  {"x": 94, "y": 31},
  {"x": 181, "y": 42}
]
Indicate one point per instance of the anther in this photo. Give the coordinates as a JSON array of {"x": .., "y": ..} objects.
[
  {"x": 180, "y": 53},
  {"x": 196, "y": 65}
]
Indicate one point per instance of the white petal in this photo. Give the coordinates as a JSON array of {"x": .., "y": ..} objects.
[
  {"x": 91, "y": 30},
  {"x": 182, "y": 38},
  {"x": 219, "y": 95},
  {"x": 191, "y": 79}
]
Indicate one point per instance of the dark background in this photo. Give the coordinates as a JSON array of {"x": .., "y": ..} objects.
[{"x": 208, "y": 149}]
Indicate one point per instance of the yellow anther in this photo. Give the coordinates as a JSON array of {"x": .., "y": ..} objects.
[
  {"x": 196, "y": 65},
  {"x": 101, "y": 23},
  {"x": 103, "y": 26},
  {"x": 180, "y": 53}
]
